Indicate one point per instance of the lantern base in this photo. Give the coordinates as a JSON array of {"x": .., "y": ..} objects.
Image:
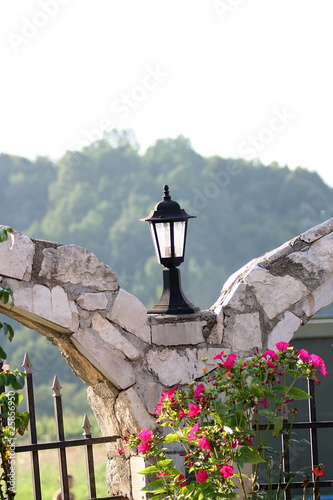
[{"x": 173, "y": 300}]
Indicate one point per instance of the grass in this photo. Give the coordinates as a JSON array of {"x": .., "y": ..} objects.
[
  {"x": 49, "y": 470},
  {"x": 49, "y": 463}
]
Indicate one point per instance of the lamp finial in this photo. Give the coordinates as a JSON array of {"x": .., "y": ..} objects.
[{"x": 166, "y": 195}]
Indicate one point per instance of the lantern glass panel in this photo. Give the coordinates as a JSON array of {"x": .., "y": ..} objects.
[
  {"x": 153, "y": 237},
  {"x": 164, "y": 238},
  {"x": 179, "y": 237}
]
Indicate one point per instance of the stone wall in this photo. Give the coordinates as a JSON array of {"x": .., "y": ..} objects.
[{"x": 126, "y": 357}]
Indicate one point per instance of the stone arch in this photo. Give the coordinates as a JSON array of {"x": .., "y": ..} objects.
[{"x": 127, "y": 357}]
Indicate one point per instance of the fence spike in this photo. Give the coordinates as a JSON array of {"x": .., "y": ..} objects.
[
  {"x": 86, "y": 426},
  {"x": 27, "y": 365},
  {"x": 56, "y": 387}
]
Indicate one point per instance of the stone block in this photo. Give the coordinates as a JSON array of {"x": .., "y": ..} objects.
[
  {"x": 318, "y": 258},
  {"x": 243, "y": 332},
  {"x": 131, "y": 413},
  {"x": 317, "y": 232},
  {"x": 92, "y": 301},
  {"x": 319, "y": 298},
  {"x": 278, "y": 253},
  {"x": 129, "y": 313},
  {"x": 173, "y": 367},
  {"x": 64, "y": 311},
  {"x": 284, "y": 330},
  {"x": 236, "y": 297},
  {"x": 113, "y": 337},
  {"x": 101, "y": 399},
  {"x": 41, "y": 303},
  {"x": 110, "y": 362},
  {"x": 138, "y": 481},
  {"x": 168, "y": 334},
  {"x": 16, "y": 259},
  {"x": 275, "y": 294},
  {"x": 75, "y": 265},
  {"x": 216, "y": 334},
  {"x": 52, "y": 305},
  {"x": 209, "y": 353}
]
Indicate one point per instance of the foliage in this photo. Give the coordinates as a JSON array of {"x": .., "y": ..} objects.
[
  {"x": 217, "y": 425},
  {"x": 12, "y": 421},
  {"x": 95, "y": 197}
]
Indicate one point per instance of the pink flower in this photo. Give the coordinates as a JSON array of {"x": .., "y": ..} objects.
[
  {"x": 144, "y": 447},
  {"x": 181, "y": 480},
  {"x": 219, "y": 356},
  {"x": 194, "y": 410},
  {"x": 227, "y": 471},
  {"x": 282, "y": 346},
  {"x": 146, "y": 435},
  {"x": 193, "y": 431},
  {"x": 181, "y": 414},
  {"x": 202, "y": 476},
  {"x": 250, "y": 439},
  {"x": 161, "y": 474},
  {"x": 204, "y": 443},
  {"x": 317, "y": 361},
  {"x": 264, "y": 402},
  {"x": 198, "y": 392},
  {"x": 230, "y": 361},
  {"x": 271, "y": 365},
  {"x": 271, "y": 354},
  {"x": 165, "y": 395},
  {"x": 303, "y": 355}
]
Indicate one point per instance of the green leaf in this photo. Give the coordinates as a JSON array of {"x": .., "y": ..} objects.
[
  {"x": 3, "y": 355},
  {"x": 249, "y": 455},
  {"x": 150, "y": 470},
  {"x": 257, "y": 391},
  {"x": 278, "y": 425},
  {"x": 171, "y": 438},
  {"x": 3, "y": 235},
  {"x": 8, "y": 330},
  {"x": 155, "y": 486},
  {"x": 18, "y": 398},
  {"x": 162, "y": 464},
  {"x": 18, "y": 383},
  {"x": 280, "y": 388},
  {"x": 294, "y": 393},
  {"x": 293, "y": 373}
]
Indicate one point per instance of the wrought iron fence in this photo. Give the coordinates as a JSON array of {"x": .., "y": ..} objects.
[
  {"x": 34, "y": 447},
  {"x": 316, "y": 484}
]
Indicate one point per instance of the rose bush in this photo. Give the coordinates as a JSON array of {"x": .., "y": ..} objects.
[{"x": 217, "y": 424}]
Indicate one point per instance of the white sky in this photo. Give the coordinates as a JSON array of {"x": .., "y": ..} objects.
[{"x": 240, "y": 78}]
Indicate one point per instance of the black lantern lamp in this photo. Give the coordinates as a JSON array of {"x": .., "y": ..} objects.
[{"x": 168, "y": 227}]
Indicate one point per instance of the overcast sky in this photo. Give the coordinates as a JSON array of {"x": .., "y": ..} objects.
[{"x": 239, "y": 78}]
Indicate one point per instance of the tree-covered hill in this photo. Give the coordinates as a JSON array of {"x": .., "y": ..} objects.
[{"x": 95, "y": 197}]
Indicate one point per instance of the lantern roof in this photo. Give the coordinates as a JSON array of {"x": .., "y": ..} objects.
[{"x": 167, "y": 210}]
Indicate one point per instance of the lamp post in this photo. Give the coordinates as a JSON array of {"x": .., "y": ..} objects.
[{"x": 168, "y": 227}]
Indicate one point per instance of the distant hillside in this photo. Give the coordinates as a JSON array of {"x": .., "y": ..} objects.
[{"x": 95, "y": 197}]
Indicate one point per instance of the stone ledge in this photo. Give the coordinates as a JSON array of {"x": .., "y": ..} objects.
[
  {"x": 180, "y": 333},
  {"x": 157, "y": 319}
]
